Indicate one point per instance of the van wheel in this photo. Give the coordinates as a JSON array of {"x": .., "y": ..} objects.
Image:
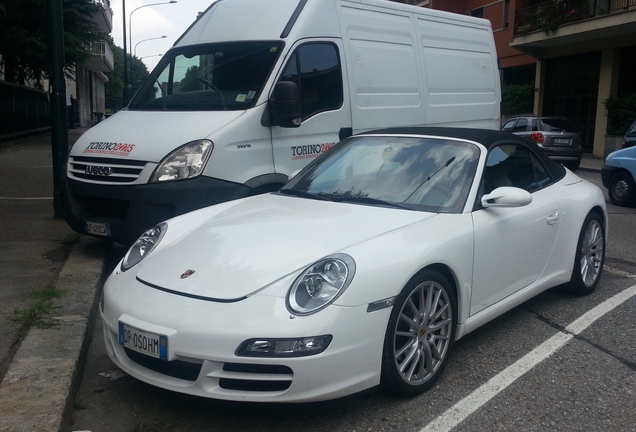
[
  {"x": 622, "y": 190},
  {"x": 420, "y": 335}
]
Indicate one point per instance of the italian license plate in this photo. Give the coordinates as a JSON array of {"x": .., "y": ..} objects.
[
  {"x": 562, "y": 141},
  {"x": 98, "y": 228},
  {"x": 151, "y": 344}
]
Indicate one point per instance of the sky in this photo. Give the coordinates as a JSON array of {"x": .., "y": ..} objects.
[{"x": 169, "y": 20}]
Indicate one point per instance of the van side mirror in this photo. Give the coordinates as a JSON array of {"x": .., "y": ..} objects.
[{"x": 285, "y": 108}]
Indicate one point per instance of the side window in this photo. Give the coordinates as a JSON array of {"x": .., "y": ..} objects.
[
  {"x": 521, "y": 126},
  {"x": 516, "y": 166},
  {"x": 509, "y": 126},
  {"x": 315, "y": 68}
]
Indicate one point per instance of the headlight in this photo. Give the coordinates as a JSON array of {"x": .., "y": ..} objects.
[
  {"x": 320, "y": 284},
  {"x": 143, "y": 246},
  {"x": 186, "y": 162}
]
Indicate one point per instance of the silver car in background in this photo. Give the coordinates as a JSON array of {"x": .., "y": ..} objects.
[{"x": 558, "y": 136}]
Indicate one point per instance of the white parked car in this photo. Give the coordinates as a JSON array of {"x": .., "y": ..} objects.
[{"x": 362, "y": 271}]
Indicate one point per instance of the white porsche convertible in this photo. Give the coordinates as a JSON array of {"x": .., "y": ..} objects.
[{"x": 362, "y": 271}]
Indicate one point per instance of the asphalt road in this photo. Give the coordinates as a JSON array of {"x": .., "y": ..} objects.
[{"x": 586, "y": 382}]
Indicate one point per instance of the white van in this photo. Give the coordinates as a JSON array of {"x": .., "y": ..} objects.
[{"x": 256, "y": 89}]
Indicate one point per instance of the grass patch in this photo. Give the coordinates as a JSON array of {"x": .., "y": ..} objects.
[
  {"x": 70, "y": 239},
  {"x": 39, "y": 314}
]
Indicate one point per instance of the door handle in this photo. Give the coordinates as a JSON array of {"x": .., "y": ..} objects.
[{"x": 553, "y": 217}]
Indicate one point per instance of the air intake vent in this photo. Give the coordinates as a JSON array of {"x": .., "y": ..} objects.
[{"x": 104, "y": 170}]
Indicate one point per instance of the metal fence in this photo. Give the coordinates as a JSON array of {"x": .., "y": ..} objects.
[{"x": 23, "y": 110}]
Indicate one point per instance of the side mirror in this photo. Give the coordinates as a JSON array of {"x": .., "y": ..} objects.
[
  {"x": 506, "y": 197},
  {"x": 285, "y": 107}
]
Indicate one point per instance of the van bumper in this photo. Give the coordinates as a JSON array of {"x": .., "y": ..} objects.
[{"x": 130, "y": 210}]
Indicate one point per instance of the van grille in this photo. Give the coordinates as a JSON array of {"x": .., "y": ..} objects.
[{"x": 104, "y": 170}]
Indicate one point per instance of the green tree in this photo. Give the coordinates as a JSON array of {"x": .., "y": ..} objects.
[
  {"x": 24, "y": 41},
  {"x": 190, "y": 81},
  {"x": 114, "y": 88},
  {"x": 517, "y": 99},
  {"x": 621, "y": 113}
]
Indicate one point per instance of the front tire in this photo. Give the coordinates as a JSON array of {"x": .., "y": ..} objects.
[
  {"x": 590, "y": 256},
  {"x": 420, "y": 335},
  {"x": 622, "y": 190}
]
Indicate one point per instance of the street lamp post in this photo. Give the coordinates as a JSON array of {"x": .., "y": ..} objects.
[
  {"x": 153, "y": 55},
  {"x": 144, "y": 40},
  {"x": 130, "y": 25}
]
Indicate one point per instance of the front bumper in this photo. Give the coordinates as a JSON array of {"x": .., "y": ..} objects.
[
  {"x": 131, "y": 209},
  {"x": 204, "y": 337}
]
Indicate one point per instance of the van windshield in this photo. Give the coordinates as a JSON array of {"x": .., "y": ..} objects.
[{"x": 212, "y": 77}]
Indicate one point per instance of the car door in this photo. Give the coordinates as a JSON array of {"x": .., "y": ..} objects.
[
  {"x": 512, "y": 245},
  {"x": 316, "y": 68}
]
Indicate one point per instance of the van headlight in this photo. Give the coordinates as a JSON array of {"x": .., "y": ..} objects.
[
  {"x": 143, "y": 246},
  {"x": 185, "y": 162},
  {"x": 320, "y": 284}
]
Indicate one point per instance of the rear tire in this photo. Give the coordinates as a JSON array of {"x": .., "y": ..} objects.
[
  {"x": 589, "y": 258},
  {"x": 622, "y": 190},
  {"x": 420, "y": 335}
]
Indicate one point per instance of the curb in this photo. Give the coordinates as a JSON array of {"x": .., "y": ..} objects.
[{"x": 38, "y": 390}]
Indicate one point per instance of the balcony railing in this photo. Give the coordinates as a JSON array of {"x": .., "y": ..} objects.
[
  {"x": 104, "y": 18},
  {"x": 101, "y": 57},
  {"x": 548, "y": 16}
]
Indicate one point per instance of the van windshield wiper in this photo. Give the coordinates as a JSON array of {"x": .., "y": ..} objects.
[
  {"x": 216, "y": 89},
  {"x": 303, "y": 194}
]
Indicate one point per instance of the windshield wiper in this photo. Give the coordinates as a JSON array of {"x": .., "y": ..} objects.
[
  {"x": 368, "y": 200},
  {"x": 303, "y": 194},
  {"x": 216, "y": 89}
]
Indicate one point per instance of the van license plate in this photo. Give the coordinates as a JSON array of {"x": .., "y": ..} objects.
[
  {"x": 98, "y": 228},
  {"x": 144, "y": 342}
]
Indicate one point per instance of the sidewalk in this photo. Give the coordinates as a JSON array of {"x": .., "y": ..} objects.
[
  {"x": 591, "y": 163},
  {"x": 43, "y": 265}
]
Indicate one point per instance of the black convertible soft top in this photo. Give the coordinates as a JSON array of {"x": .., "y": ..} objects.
[{"x": 487, "y": 138}]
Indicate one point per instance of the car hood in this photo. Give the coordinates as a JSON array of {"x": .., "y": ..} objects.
[
  {"x": 254, "y": 242},
  {"x": 149, "y": 135}
]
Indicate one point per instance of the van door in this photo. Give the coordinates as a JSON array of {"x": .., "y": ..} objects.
[{"x": 316, "y": 67}]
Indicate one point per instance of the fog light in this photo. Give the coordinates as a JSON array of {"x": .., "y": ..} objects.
[{"x": 300, "y": 347}]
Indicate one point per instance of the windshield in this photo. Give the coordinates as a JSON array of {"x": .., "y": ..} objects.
[
  {"x": 212, "y": 77},
  {"x": 428, "y": 174}
]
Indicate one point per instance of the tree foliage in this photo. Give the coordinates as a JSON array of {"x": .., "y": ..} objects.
[
  {"x": 190, "y": 81},
  {"x": 517, "y": 99},
  {"x": 24, "y": 39},
  {"x": 621, "y": 113},
  {"x": 114, "y": 88}
]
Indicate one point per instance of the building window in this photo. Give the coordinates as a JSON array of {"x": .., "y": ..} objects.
[{"x": 479, "y": 12}]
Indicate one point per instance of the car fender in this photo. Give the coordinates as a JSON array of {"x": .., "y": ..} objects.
[{"x": 446, "y": 239}]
